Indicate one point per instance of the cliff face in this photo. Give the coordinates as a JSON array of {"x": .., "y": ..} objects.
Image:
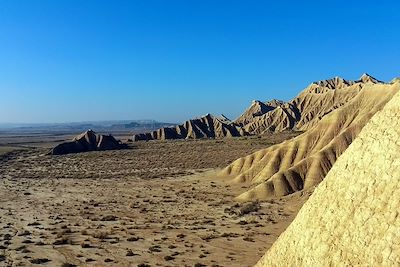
[
  {"x": 304, "y": 161},
  {"x": 352, "y": 218}
]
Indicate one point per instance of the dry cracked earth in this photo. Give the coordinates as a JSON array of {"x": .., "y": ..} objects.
[{"x": 155, "y": 204}]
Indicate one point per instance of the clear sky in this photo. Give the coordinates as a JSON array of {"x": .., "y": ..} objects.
[{"x": 171, "y": 60}]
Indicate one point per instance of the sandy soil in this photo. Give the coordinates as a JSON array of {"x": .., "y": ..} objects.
[{"x": 157, "y": 204}]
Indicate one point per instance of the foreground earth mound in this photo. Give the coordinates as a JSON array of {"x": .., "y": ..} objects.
[
  {"x": 352, "y": 219},
  {"x": 207, "y": 126},
  {"x": 303, "y": 162},
  {"x": 87, "y": 141}
]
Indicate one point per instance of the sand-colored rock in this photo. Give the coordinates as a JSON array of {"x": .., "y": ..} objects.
[
  {"x": 207, "y": 126},
  {"x": 352, "y": 218},
  {"x": 305, "y": 110},
  {"x": 303, "y": 162},
  {"x": 257, "y": 108},
  {"x": 323, "y": 97},
  {"x": 280, "y": 119},
  {"x": 87, "y": 141}
]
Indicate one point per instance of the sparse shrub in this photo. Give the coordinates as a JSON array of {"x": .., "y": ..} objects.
[
  {"x": 130, "y": 253},
  {"x": 169, "y": 258},
  {"x": 85, "y": 245},
  {"x": 249, "y": 207},
  {"x": 84, "y": 232},
  {"x": 39, "y": 261},
  {"x": 109, "y": 218},
  {"x": 132, "y": 239},
  {"x": 100, "y": 235},
  {"x": 62, "y": 241}
]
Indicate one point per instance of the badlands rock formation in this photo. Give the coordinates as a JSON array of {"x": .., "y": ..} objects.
[
  {"x": 257, "y": 108},
  {"x": 305, "y": 110},
  {"x": 87, "y": 141},
  {"x": 303, "y": 162},
  {"x": 352, "y": 218},
  {"x": 207, "y": 126},
  {"x": 301, "y": 113}
]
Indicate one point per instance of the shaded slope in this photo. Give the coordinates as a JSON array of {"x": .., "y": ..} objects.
[
  {"x": 207, "y": 126},
  {"x": 304, "y": 161},
  {"x": 257, "y": 108},
  {"x": 352, "y": 218},
  {"x": 279, "y": 119},
  {"x": 87, "y": 141}
]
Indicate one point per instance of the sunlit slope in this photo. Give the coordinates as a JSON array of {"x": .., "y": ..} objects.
[
  {"x": 304, "y": 161},
  {"x": 352, "y": 218}
]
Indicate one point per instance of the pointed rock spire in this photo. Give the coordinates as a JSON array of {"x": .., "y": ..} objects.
[{"x": 366, "y": 78}]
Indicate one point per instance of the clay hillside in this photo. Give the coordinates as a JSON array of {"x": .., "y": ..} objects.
[
  {"x": 257, "y": 108},
  {"x": 87, "y": 141},
  {"x": 303, "y": 162},
  {"x": 207, "y": 126},
  {"x": 305, "y": 110},
  {"x": 352, "y": 218},
  {"x": 301, "y": 113}
]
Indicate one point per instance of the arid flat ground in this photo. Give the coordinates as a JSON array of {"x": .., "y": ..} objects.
[{"x": 156, "y": 204}]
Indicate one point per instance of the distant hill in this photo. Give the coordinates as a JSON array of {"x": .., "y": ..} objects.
[
  {"x": 207, "y": 126},
  {"x": 87, "y": 141},
  {"x": 103, "y": 126}
]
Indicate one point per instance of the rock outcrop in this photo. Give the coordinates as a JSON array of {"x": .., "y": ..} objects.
[
  {"x": 207, "y": 126},
  {"x": 257, "y": 108},
  {"x": 303, "y": 162},
  {"x": 278, "y": 119},
  {"x": 87, "y": 141},
  {"x": 352, "y": 218}
]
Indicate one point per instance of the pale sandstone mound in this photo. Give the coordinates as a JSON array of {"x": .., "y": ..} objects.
[
  {"x": 305, "y": 110},
  {"x": 303, "y": 162},
  {"x": 87, "y": 141},
  {"x": 352, "y": 218},
  {"x": 257, "y": 108},
  {"x": 323, "y": 97},
  {"x": 281, "y": 118},
  {"x": 274, "y": 103},
  {"x": 207, "y": 126}
]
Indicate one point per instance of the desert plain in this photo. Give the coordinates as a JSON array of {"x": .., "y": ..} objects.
[{"x": 156, "y": 203}]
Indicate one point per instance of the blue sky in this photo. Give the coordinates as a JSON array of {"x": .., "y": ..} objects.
[{"x": 72, "y": 60}]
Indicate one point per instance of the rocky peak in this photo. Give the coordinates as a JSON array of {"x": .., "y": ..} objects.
[{"x": 366, "y": 78}]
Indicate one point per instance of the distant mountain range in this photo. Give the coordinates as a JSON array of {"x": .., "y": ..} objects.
[{"x": 113, "y": 125}]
